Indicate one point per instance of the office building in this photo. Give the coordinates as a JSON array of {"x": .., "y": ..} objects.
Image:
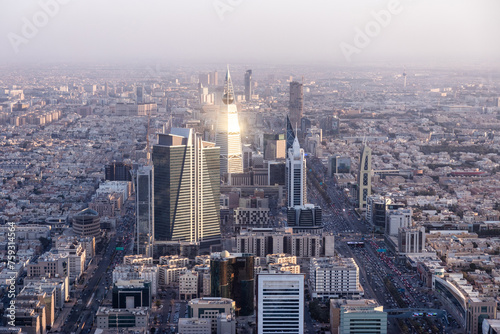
[
  {"x": 338, "y": 164},
  {"x": 296, "y": 106},
  {"x": 362, "y": 316},
  {"x": 280, "y": 303},
  {"x": 130, "y": 294},
  {"x": 211, "y": 308},
  {"x": 139, "y": 92},
  {"x": 117, "y": 171},
  {"x": 188, "y": 285},
  {"x": 213, "y": 78},
  {"x": 334, "y": 277},
  {"x": 364, "y": 176},
  {"x": 228, "y": 136},
  {"x": 86, "y": 223},
  {"x": 144, "y": 210},
  {"x": 276, "y": 173},
  {"x": 194, "y": 326},
  {"x": 306, "y": 218},
  {"x": 411, "y": 240},
  {"x": 290, "y": 134},
  {"x": 110, "y": 318},
  {"x": 396, "y": 219},
  {"x": 491, "y": 326},
  {"x": 248, "y": 85},
  {"x": 296, "y": 176},
  {"x": 232, "y": 276},
  {"x": 270, "y": 241},
  {"x": 146, "y": 273},
  {"x": 186, "y": 188}
]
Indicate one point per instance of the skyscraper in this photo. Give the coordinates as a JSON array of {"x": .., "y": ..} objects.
[
  {"x": 232, "y": 276},
  {"x": 144, "y": 210},
  {"x": 296, "y": 107},
  {"x": 139, "y": 94},
  {"x": 228, "y": 136},
  {"x": 364, "y": 176},
  {"x": 186, "y": 188},
  {"x": 280, "y": 303},
  {"x": 248, "y": 85},
  {"x": 117, "y": 171},
  {"x": 290, "y": 134},
  {"x": 296, "y": 176}
]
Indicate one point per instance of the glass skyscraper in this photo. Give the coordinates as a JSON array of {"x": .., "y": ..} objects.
[
  {"x": 144, "y": 210},
  {"x": 186, "y": 188}
]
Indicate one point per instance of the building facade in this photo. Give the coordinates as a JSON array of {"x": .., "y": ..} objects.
[
  {"x": 280, "y": 303},
  {"x": 186, "y": 188},
  {"x": 228, "y": 136}
]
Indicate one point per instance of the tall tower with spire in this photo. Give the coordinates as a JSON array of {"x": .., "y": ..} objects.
[
  {"x": 364, "y": 176},
  {"x": 296, "y": 175},
  {"x": 228, "y": 135}
]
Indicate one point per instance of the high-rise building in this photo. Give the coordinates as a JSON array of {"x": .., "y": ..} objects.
[
  {"x": 248, "y": 85},
  {"x": 307, "y": 218},
  {"x": 296, "y": 106},
  {"x": 144, "y": 210},
  {"x": 280, "y": 303},
  {"x": 364, "y": 176},
  {"x": 296, "y": 176},
  {"x": 290, "y": 134},
  {"x": 86, "y": 223},
  {"x": 130, "y": 294},
  {"x": 213, "y": 78},
  {"x": 228, "y": 136},
  {"x": 139, "y": 94},
  {"x": 332, "y": 277},
  {"x": 411, "y": 240},
  {"x": 117, "y": 171},
  {"x": 357, "y": 316},
  {"x": 186, "y": 188},
  {"x": 232, "y": 276}
]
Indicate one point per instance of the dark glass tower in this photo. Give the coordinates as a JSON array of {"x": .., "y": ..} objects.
[{"x": 232, "y": 276}]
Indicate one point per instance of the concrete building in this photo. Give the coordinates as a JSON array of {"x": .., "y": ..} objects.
[
  {"x": 188, "y": 285},
  {"x": 86, "y": 223},
  {"x": 194, "y": 326},
  {"x": 109, "y": 318},
  {"x": 411, "y": 240},
  {"x": 211, "y": 308},
  {"x": 362, "y": 316},
  {"x": 248, "y": 85},
  {"x": 280, "y": 303},
  {"x": 396, "y": 219},
  {"x": 334, "y": 277},
  {"x": 296, "y": 104},
  {"x": 130, "y": 294},
  {"x": 138, "y": 272}
]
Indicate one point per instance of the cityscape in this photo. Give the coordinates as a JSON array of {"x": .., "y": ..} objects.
[{"x": 238, "y": 193}]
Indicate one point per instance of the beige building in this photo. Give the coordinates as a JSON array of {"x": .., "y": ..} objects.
[{"x": 188, "y": 285}]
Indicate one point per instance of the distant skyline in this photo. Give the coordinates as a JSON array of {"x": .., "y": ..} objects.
[{"x": 250, "y": 31}]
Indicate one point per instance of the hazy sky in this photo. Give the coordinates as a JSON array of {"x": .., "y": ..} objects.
[{"x": 249, "y": 31}]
